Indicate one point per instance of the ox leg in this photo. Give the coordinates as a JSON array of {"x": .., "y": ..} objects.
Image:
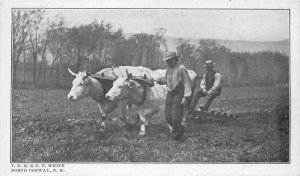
[
  {"x": 123, "y": 108},
  {"x": 105, "y": 109},
  {"x": 168, "y": 112},
  {"x": 162, "y": 114},
  {"x": 146, "y": 114},
  {"x": 185, "y": 116},
  {"x": 103, "y": 118},
  {"x": 143, "y": 125},
  {"x": 169, "y": 126}
]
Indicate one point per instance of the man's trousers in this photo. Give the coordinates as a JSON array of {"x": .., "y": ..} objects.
[
  {"x": 199, "y": 93},
  {"x": 174, "y": 110}
]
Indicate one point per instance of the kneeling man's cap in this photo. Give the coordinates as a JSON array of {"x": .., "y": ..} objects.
[{"x": 209, "y": 63}]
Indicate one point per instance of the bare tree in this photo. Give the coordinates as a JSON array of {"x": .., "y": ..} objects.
[
  {"x": 78, "y": 40},
  {"x": 186, "y": 51},
  {"x": 160, "y": 45},
  {"x": 20, "y": 33},
  {"x": 91, "y": 42},
  {"x": 35, "y": 34},
  {"x": 57, "y": 39},
  {"x": 44, "y": 45},
  {"x": 146, "y": 48}
]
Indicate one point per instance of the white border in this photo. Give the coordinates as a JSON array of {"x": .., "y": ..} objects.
[{"x": 153, "y": 169}]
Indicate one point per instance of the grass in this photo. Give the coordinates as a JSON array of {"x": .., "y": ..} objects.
[{"x": 48, "y": 128}]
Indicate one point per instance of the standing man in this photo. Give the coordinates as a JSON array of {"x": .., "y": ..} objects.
[
  {"x": 179, "y": 90},
  {"x": 210, "y": 86}
]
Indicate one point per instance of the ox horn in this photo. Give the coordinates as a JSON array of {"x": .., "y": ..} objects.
[
  {"x": 113, "y": 72},
  {"x": 71, "y": 72},
  {"x": 129, "y": 75},
  {"x": 87, "y": 73}
]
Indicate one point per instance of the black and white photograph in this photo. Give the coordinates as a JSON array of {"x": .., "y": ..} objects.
[{"x": 109, "y": 85}]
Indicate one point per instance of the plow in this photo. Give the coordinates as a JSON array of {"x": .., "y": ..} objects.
[{"x": 214, "y": 114}]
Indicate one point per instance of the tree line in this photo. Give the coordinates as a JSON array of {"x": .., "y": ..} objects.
[{"x": 44, "y": 48}]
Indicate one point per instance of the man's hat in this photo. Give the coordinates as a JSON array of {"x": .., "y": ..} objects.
[
  {"x": 171, "y": 56},
  {"x": 209, "y": 63}
]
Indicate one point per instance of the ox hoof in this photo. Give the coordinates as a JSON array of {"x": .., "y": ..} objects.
[
  {"x": 141, "y": 133},
  {"x": 183, "y": 124},
  {"x": 170, "y": 128},
  {"x": 102, "y": 128}
]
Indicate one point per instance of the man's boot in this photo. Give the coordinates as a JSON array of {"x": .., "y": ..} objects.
[{"x": 179, "y": 134}]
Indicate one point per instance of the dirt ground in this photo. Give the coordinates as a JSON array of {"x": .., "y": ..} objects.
[{"x": 46, "y": 127}]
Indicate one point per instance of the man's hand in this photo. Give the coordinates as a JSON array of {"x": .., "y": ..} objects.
[
  {"x": 204, "y": 91},
  {"x": 209, "y": 92},
  {"x": 184, "y": 101}
]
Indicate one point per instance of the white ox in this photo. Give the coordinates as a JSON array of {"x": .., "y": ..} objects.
[
  {"x": 96, "y": 85},
  {"x": 148, "y": 96}
]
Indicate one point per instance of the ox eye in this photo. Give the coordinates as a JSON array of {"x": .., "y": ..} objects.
[
  {"x": 81, "y": 83},
  {"x": 131, "y": 84}
]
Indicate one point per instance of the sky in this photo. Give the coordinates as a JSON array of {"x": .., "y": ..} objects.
[{"x": 250, "y": 25}]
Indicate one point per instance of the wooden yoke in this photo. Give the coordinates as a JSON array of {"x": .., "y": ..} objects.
[
  {"x": 106, "y": 81},
  {"x": 143, "y": 80}
]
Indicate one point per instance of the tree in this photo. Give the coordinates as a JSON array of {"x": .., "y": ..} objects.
[
  {"x": 119, "y": 50},
  {"x": 35, "y": 34},
  {"x": 208, "y": 49},
  {"x": 20, "y": 33},
  {"x": 141, "y": 41},
  {"x": 160, "y": 46},
  {"x": 56, "y": 35},
  {"x": 145, "y": 49},
  {"x": 239, "y": 71},
  {"x": 89, "y": 41},
  {"x": 186, "y": 52},
  {"x": 281, "y": 64},
  {"x": 44, "y": 45}
]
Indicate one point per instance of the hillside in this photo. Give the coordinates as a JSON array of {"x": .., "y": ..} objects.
[
  {"x": 253, "y": 46},
  {"x": 242, "y": 46}
]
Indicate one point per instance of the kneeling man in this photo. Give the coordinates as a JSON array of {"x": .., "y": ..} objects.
[{"x": 210, "y": 86}]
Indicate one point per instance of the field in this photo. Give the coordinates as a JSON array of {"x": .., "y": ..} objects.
[{"x": 46, "y": 127}]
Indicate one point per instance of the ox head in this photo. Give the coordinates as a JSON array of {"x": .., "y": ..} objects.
[
  {"x": 124, "y": 86},
  {"x": 80, "y": 86}
]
